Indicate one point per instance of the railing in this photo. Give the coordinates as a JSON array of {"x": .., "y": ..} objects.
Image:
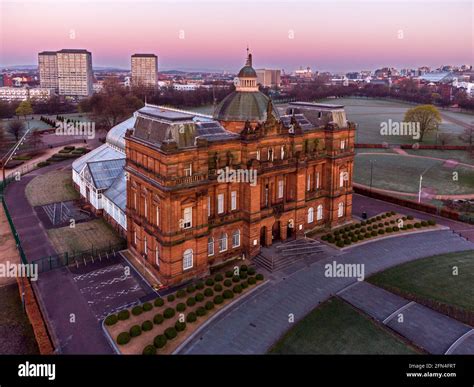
[{"x": 14, "y": 232}]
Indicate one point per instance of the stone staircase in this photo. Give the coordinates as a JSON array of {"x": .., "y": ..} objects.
[{"x": 282, "y": 255}]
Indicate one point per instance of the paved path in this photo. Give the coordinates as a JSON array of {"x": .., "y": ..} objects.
[
  {"x": 252, "y": 326},
  {"x": 426, "y": 328}
]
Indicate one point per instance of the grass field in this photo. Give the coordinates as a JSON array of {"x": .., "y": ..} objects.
[
  {"x": 458, "y": 155},
  {"x": 39, "y": 190},
  {"x": 432, "y": 278},
  {"x": 95, "y": 234},
  {"x": 337, "y": 328},
  {"x": 401, "y": 173}
]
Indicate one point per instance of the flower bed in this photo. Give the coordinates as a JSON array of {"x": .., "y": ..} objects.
[
  {"x": 160, "y": 326},
  {"x": 378, "y": 226}
]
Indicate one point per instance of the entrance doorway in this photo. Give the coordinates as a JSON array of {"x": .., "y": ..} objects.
[
  {"x": 263, "y": 236},
  {"x": 276, "y": 231},
  {"x": 290, "y": 229}
]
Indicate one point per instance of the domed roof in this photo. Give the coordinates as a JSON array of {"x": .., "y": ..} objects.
[
  {"x": 247, "y": 72},
  {"x": 243, "y": 106}
]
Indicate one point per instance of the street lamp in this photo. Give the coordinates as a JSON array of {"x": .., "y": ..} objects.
[{"x": 421, "y": 179}]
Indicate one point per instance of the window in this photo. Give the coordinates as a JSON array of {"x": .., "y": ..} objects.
[
  {"x": 188, "y": 217},
  {"x": 282, "y": 152},
  {"x": 223, "y": 242},
  {"x": 317, "y": 181},
  {"x": 308, "y": 182},
  {"x": 340, "y": 210},
  {"x": 135, "y": 237},
  {"x": 208, "y": 206},
  {"x": 310, "y": 215},
  {"x": 188, "y": 169},
  {"x": 134, "y": 200},
  {"x": 146, "y": 208},
  {"x": 220, "y": 203},
  {"x": 258, "y": 154},
  {"x": 145, "y": 246},
  {"x": 233, "y": 201},
  {"x": 280, "y": 189},
  {"x": 210, "y": 246},
  {"x": 343, "y": 144},
  {"x": 157, "y": 255},
  {"x": 319, "y": 212},
  {"x": 266, "y": 195},
  {"x": 342, "y": 176},
  {"x": 270, "y": 154},
  {"x": 157, "y": 215},
  {"x": 188, "y": 259},
  {"x": 236, "y": 238}
]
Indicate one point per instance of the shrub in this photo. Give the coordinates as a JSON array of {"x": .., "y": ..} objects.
[
  {"x": 147, "y": 326},
  {"x": 338, "y": 244},
  {"x": 218, "y": 300},
  {"x": 410, "y": 217},
  {"x": 431, "y": 222},
  {"x": 137, "y": 310},
  {"x": 160, "y": 341},
  {"x": 395, "y": 228},
  {"x": 171, "y": 298},
  {"x": 363, "y": 230},
  {"x": 373, "y": 233},
  {"x": 384, "y": 216},
  {"x": 381, "y": 231},
  {"x": 424, "y": 223},
  {"x": 235, "y": 278},
  {"x": 229, "y": 273},
  {"x": 181, "y": 307},
  {"x": 111, "y": 320},
  {"x": 243, "y": 268},
  {"x": 360, "y": 237},
  {"x": 227, "y": 282},
  {"x": 259, "y": 277},
  {"x": 354, "y": 239},
  {"x": 200, "y": 285},
  {"x": 386, "y": 223},
  {"x": 149, "y": 350},
  {"x": 180, "y": 326},
  {"x": 367, "y": 235},
  {"x": 201, "y": 311},
  {"x": 417, "y": 225},
  {"x": 123, "y": 315},
  {"x": 191, "y": 317},
  {"x": 363, "y": 223},
  {"x": 217, "y": 288},
  {"x": 252, "y": 281},
  {"x": 209, "y": 282},
  {"x": 378, "y": 217},
  {"x": 409, "y": 226},
  {"x": 251, "y": 271},
  {"x": 347, "y": 241},
  {"x": 42, "y": 164},
  {"x": 392, "y": 221},
  {"x": 135, "y": 331},
  {"x": 191, "y": 289},
  {"x": 392, "y": 212},
  {"x": 404, "y": 218},
  {"x": 123, "y": 338},
  {"x": 244, "y": 285},
  {"x": 180, "y": 293},
  {"x": 147, "y": 306},
  {"x": 159, "y": 302},
  {"x": 209, "y": 305},
  {"x": 218, "y": 277},
  {"x": 170, "y": 333},
  {"x": 237, "y": 289},
  {"x": 243, "y": 275},
  {"x": 168, "y": 313},
  {"x": 199, "y": 297},
  {"x": 209, "y": 293},
  {"x": 158, "y": 319},
  {"x": 388, "y": 229},
  {"x": 228, "y": 294},
  {"x": 324, "y": 237},
  {"x": 369, "y": 228},
  {"x": 190, "y": 301}
]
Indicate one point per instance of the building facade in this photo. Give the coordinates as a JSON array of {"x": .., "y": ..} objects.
[
  {"x": 48, "y": 70},
  {"x": 268, "y": 78},
  {"x": 8, "y": 93},
  {"x": 205, "y": 190},
  {"x": 144, "y": 70}
]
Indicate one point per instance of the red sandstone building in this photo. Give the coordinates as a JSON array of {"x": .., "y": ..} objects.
[{"x": 184, "y": 215}]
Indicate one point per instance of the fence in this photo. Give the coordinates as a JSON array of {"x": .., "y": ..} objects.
[{"x": 14, "y": 232}]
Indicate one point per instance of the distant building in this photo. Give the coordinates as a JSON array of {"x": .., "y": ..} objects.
[
  {"x": 8, "y": 93},
  {"x": 144, "y": 70},
  {"x": 48, "y": 70},
  {"x": 437, "y": 77},
  {"x": 268, "y": 77},
  {"x": 185, "y": 87},
  {"x": 304, "y": 73}
]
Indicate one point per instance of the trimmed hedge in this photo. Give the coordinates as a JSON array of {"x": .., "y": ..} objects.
[
  {"x": 244, "y": 268},
  {"x": 209, "y": 305},
  {"x": 209, "y": 293},
  {"x": 227, "y": 282},
  {"x": 171, "y": 298},
  {"x": 259, "y": 277},
  {"x": 181, "y": 307},
  {"x": 209, "y": 282},
  {"x": 170, "y": 333},
  {"x": 123, "y": 315},
  {"x": 235, "y": 278},
  {"x": 111, "y": 320},
  {"x": 237, "y": 289},
  {"x": 158, "y": 319},
  {"x": 191, "y": 317},
  {"x": 180, "y": 326},
  {"x": 218, "y": 300},
  {"x": 159, "y": 302},
  {"x": 228, "y": 294},
  {"x": 147, "y": 326},
  {"x": 218, "y": 277},
  {"x": 217, "y": 288},
  {"x": 160, "y": 341},
  {"x": 190, "y": 301},
  {"x": 252, "y": 281},
  {"x": 147, "y": 306},
  {"x": 135, "y": 331},
  {"x": 199, "y": 297},
  {"x": 168, "y": 313},
  {"x": 149, "y": 350},
  {"x": 123, "y": 338},
  {"x": 229, "y": 273}
]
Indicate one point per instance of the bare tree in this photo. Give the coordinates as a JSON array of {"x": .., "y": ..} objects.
[{"x": 16, "y": 129}]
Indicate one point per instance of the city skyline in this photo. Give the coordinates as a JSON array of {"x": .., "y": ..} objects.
[{"x": 318, "y": 34}]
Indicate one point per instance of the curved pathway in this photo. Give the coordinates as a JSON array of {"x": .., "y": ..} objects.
[{"x": 255, "y": 324}]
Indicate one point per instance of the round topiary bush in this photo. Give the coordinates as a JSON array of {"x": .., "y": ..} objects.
[
  {"x": 235, "y": 278},
  {"x": 244, "y": 284},
  {"x": 228, "y": 294},
  {"x": 168, "y": 313},
  {"x": 243, "y": 275},
  {"x": 181, "y": 307},
  {"x": 190, "y": 301},
  {"x": 209, "y": 282},
  {"x": 191, "y": 289},
  {"x": 347, "y": 241},
  {"x": 180, "y": 293},
  {"x": 251, "y": 271},
  {"x": 338, "y": 244},
  {"x": 191, "y": 317},
  {"x": 123, "y": 315},
  {"x": 431, "y": 222},
  {"x": 237, "y": 289},
  {"x": 199, "y": 297},
  {"x": 147, "y": 326},
  {"x": 147, "y": 306},
  {"x": 123, "y": 338},
  {"x": 381, "y": 231},
  {"x": 392, "y": 212},
  {"x": 209, "y": 293},
  {"x": 158, "y": 319},
  {"x": 159, "y": 302},
  {"x": 135, "y": 331},
  {"x": 149, "y": 350},
  {"x": 170, "y": 333},
  {"x": 243, "y": 268},
  {"x": 410, "y": 217},
  {"x": 217, "y": 288},
  {"x": 229, "y": 274},
  {"x": 227, "y": 282},
  {"x": 218, "y": 300},
  {"x": 171, "y": 298},
  {"x": 180, "y": 326},
  {"x": 360, "y": 237},
  {"x": 259, "y": 277},
  {"x": 373, "y": 233},
  {"x": 111, "y": 320},
  {"x": 209, "y": 305},
  {"x": 424, "y": 223},
  {"x": 388, "y": 229},
  {"x": 218, "y": 277},
  {"x": 201, "y": 311},
  {"x": 160, "y": 341},
  {"x": 137, "y": 310},
  {"x": 200, "y": 285},
  {"x": 354, "y": 239},
  {"x": 395, "y": 228},
  {"x": 417, "y": 225}
]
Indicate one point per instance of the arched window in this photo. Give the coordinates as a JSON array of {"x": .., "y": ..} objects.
[
  {"x": 340, "y": 210},
  {"x": 342, "y": 175},
  {"x": 319, "y": 212},
  {"x": 223, "y": 242},
  {"x": 188, "y": 259},
  {"x": 157, "y": 255},
  {"x": 236, "y": 238},
  {"x": 210, "y": 246},
  {"x": 310, "y": 215}
]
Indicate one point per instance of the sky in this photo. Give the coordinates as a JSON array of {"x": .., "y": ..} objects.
[{"x": 327, "y": 35}]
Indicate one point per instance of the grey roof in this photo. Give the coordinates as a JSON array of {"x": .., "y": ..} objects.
[
  {"x": 104, "y": 173},
  {"x": 243, "y": 106},
  {"x": 300, "y": 118},
  {"x": 116, "y": 135},
  {"x": 102, "y": 153},
  {"x": 247, "y": 72},
  {"x": 437, "y": 76},
  {"x": 117, "y": 193}
]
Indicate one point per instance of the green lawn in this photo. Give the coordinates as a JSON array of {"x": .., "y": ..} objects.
[
  {"x": 432, "y": 278},
  {"x": 39, "y": 192},
  {"x": 337, "y": 328}
]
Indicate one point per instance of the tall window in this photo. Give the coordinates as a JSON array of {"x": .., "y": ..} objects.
[
  {"x": 208, "y": 206},
  {"x": 157, "y": 255},
  {"x": 145, "y": 208},
  {"x": 317, "y": 181},
  {"x": 236, "y": 238},
  {"x": 188, "y": 259},
  {"x": 135, "y": 237},
  {"x": 343, "y": 144},
  {"x": 223, "y": 242},
  {"x": 340, "y": 210},
  {"x": 319, "y": 212},
  {"x": 145, "y": 246},
  {"x": 308, "y": 182},
  {"x": 310, "y": 215},
  {"x": 210, "y": 246},
  {"x": 266, "y": 195},
  {"x": 157, "y": 214},
  {"x": 188, "y": 169},
  {"x": 233, "y": 201},
  {"x": 270, "y": 154},
  {"x": 188, "y": 217},
  {"x": 220, "y": 203},
  {"x": 282, "y": 152},
  {"x": 280, "y": 189},
  {"x": 258, "y": 154},
  {"x": 134, "y": 200},
  {"x": 341, "y": 178}
]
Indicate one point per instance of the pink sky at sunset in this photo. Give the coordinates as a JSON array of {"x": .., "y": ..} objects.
[{"x": 328, "y": 35}]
